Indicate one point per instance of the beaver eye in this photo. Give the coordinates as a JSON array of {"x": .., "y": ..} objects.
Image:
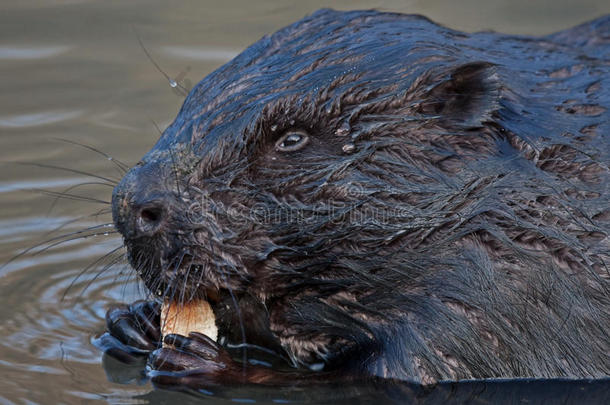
[{"x": 291, "y": 141}]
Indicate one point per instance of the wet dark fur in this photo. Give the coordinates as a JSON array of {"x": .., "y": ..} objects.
[{"x": 464, "y": 235}]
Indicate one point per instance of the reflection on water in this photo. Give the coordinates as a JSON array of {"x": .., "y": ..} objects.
[
  {"x": 40, "y": 52},
  {"x": 206, "y": 54},
  {"x": 73, "y": 70},
  {"x": 36, "y": 119},
  {"x": 37, "y": 184}
]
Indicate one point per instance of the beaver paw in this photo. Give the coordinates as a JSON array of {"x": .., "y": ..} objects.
[
  {"x": 194, "y": 362},
  {"x": 132, "y": 331}
]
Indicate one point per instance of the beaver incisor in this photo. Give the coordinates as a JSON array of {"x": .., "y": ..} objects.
[{"x": 371, "y": 194}]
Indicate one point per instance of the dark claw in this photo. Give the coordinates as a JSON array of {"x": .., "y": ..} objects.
[
  {"x": 117, "y": 349},
  {"x": 147, "y": 315},
  {"x": 196, "y": 343},
  {"x": 132, "y": 330},
  {"x": 167, "y": 359},
  {"x": 195, "y": 362}
]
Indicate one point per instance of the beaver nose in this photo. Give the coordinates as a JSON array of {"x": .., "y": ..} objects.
[
  {"x": 141, "y": 205},
  {"x": 150, "y": 218}
]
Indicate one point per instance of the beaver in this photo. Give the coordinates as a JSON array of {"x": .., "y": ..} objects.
[{"x": 371, "y": 195}]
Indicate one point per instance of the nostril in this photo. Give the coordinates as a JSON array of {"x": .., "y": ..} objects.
[
  {"x": 151, "y": 214},
  {"x": 150, "y": 219}
]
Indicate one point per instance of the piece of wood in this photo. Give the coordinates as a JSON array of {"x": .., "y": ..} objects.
[{"x": 193, "y": 316}]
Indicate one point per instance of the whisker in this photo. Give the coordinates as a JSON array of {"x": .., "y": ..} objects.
[
  {"x": 68, "y": 196},
  {"x": 99, "y": 273},
  {"x": 140, "y": 286},
  {"x": 119, "y": 274},
  {"x": 120, "y": 165},
  {"x": 157, "y": 127},
  {"x": 126, "y": 275},
  {"x": 31, "y": 248},
  {"x": 67, "y": 169},
  {"x": 89, "y": 266},
  {"x": 174, "y": 84},
  {"x": 102, "y": 211},
  {"x": 157, "y": 282},
  {"x": 56, "y": 199},
  {"x": 137, "y": 267},
  {"x": 176, "y": 269},
  {"x": 193, "y": 290},
  {"x": 73, "y": 220},
  {"x": 175, "y": 170},
  {"x": 71, "y": 239},
  {"x": 239, "y": 317},
  {"x": 170, "y": 289}
]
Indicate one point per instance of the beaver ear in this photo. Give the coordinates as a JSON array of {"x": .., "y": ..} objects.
[{"x": 468, "y": 96}]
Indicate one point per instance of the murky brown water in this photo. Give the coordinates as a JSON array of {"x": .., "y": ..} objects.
[{"x": 73, "y": 70}]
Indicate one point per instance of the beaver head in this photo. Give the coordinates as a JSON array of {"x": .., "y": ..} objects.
[
  {"x": 358, "y": 168},
  {"x": 275, "y": 158}
]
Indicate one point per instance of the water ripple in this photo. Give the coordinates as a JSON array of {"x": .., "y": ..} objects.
[
  {"x": 36, "y": 119},
  {"x": 204, "y": 54},
  {"x": 54, "y": 310},
  {"x": 6, "y": 187},
  {"x": 33, "y": 52}
]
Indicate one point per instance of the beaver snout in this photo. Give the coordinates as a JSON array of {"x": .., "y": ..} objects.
[{"x": 140, "y": 205}]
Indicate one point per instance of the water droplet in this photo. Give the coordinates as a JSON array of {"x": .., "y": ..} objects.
[
  {"x": 343, "y": 130},
  {"x": 273, "y": 128},
  {"x": 316, "y": 366},
  {"x": 349, "y": 148},
  {"x": 291, "y": 122},
  {"x": 172, "y": 83}
]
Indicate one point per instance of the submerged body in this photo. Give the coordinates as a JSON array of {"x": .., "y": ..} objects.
[{"x": 371, "y": 194}]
